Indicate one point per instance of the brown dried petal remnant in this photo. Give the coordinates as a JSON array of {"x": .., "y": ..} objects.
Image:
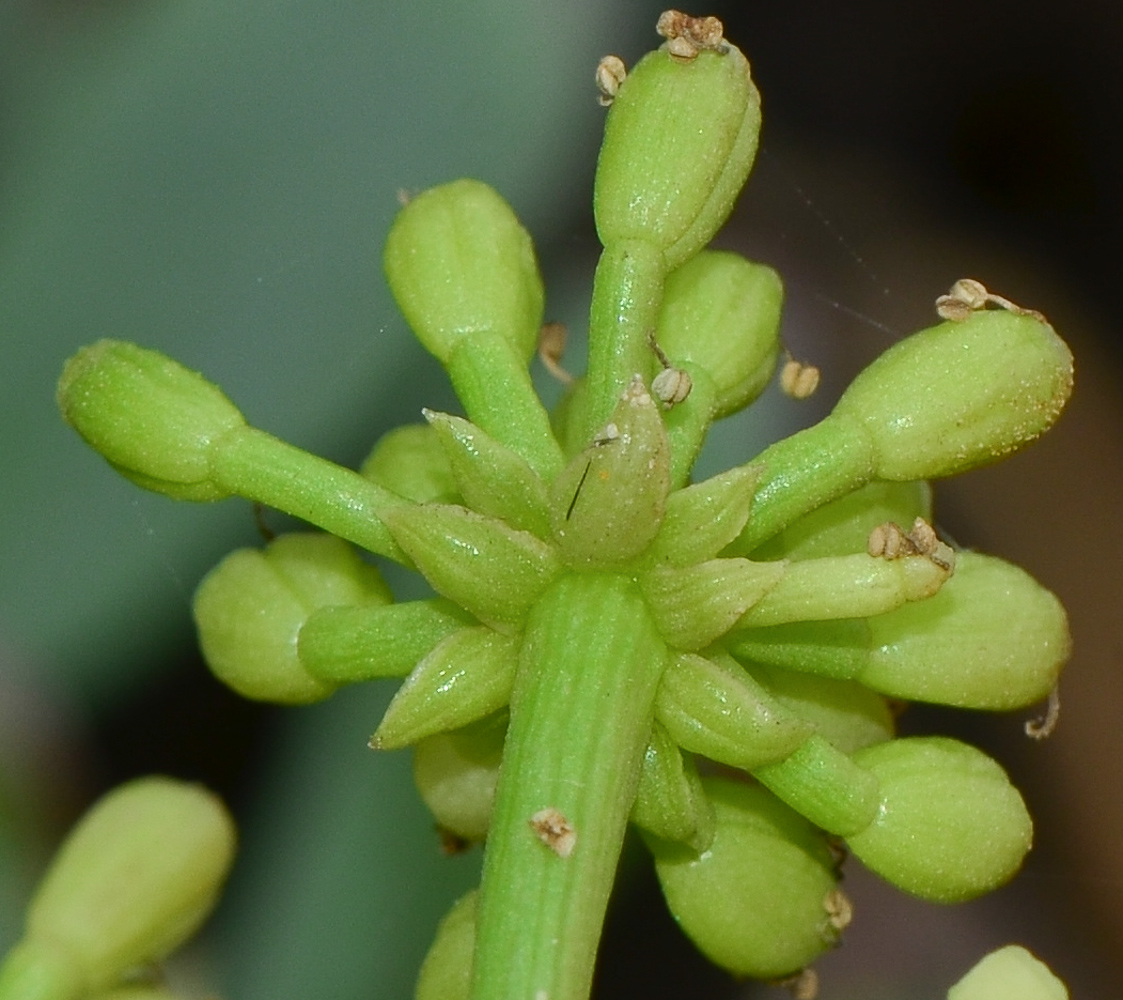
[
  {"x": 1040, "y": 729},
  {"x": 968, "y": 295},
  {"x": 687, "y": 36},
  {"x": 804, "y": 985},
  {"x": 889, "y": 541},
  {"x": 555, "y": 831},
  {"x": 611, "y": 72},
  {"x": 839, "y": 910},
  {"x": 797, "y": 379}
]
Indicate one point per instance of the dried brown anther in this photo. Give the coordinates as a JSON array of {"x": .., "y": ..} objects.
[
  {"x": 687, "y": 36},
  {"x": 839, "y": 910},
  {"x": 672, "y": 385},
  {"x": 611, "y": 72},
  {"x": 804, "y": 985},
  {"x": 798, "y": 380},
  {"x": 555, "y": 831},
  {"x": 890, "y": 541},
  {"x": 551, "y": 347},
  {"x": 1040, "y": 729},
  {"x": 968, "y": 295}
]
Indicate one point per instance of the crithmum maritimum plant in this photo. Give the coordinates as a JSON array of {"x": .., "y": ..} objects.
[{"x": 603, "y": 630}]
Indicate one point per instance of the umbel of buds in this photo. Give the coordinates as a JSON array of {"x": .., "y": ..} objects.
[{"x": 603, "y": 631}]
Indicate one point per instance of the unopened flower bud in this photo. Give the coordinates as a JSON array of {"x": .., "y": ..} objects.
[
  {"x": 678, "y": 144},
  {"x": 152, "y": 419},
  {"x": 951, "y": 826},
  {"x": 722, "y": 312},
  {"x": 1010, "y": 972},
  {"x": 251, "y": 607},
  {"x": 459, "y": 263},
  {"x": 135, "y": 878},
  {"x": 446, "y": 973},
  {"x": 758, "y": 902}
]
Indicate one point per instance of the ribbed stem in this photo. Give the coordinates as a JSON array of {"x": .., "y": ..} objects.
[{"x": 581, "y": 716}]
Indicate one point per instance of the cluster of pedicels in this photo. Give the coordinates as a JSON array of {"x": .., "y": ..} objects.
[{"x": 609, "y": 642}]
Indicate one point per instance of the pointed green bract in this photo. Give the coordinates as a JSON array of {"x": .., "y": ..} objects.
[
  {"x": 467, "y": 676},
  {"x": 670, "y": 802},
  {"x": 715, "y": 709}
]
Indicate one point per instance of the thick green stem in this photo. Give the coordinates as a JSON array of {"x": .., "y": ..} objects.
[
  {"x": 492, "y": 382},
  {"x": 803, "y": 472},
  {"x": 627, "y": 293},
  {"x": 581, "y": 717},
  {"x": 260, "y": 467}
]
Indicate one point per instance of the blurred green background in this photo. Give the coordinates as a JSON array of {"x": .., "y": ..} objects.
[{"x": 214, "y": 179}]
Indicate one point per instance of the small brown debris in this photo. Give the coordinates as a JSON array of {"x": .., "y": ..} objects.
[
  {"x": 672, "y": 385},
  {"x": 551, "y": 347},
  {"x": 1042, "y": 728},
  {"x": 968, "y": 295},
  {"x": 611, "y": 72},
  {"x": 839, "y": 910},
  {"x": 555, "y": 831},
  {"x": 804, "y": 985},
  {"x": 687, "y": 36},
  {"x": 797, "y": 379},
  {"x": 889, "y": 541}
]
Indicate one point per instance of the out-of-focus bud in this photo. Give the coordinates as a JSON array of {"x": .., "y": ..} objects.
[
  {"x": 153, "y": 420},
  {"x": 446, "y": 973},
  {"x": 135, "y": 878},
  {"x": 762, "y": 901},
  {"x": 679, "y": 142},
  {"x": 250, "y": 608},
  {"x": 951, "y": 826},
  {"x": 459, "y": 263},
  {"x": 1010, "y": 972}
]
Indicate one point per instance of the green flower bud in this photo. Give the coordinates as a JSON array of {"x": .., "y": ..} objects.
[
  {"x": 950, "y": 827},
  {"x": 762, "y": 901},
  {"x": 705, "y": 517},
  {"x": 250, "y": 609},
  {"x": 1009, "y": 973},
  {"x": 992, "y": 638},
  {"x": 679, "y": 141},
  {"x": 492, "y": 478},
  {"x": 670, "y": 802},
  {"x": 133, "y": 880},
  {"x": 843, "y": 526},
  {"x": 459, "y": 262},
  {"x": 694, "y": 605},
  {"x": 411, "y": 462},
  {"x": 722, "y": 313},
  {"x": 608, "y": 503},
  {"x": 446, "y": 973},
  {"x": 467, "y": 676},
  {"x": 715, "y": 709},
  {"x": 489, "y": 569},
  {"x": 153, "y": 420},
  {"x": 456, "y": 774},
  {"x": 960, "y": 394},
  {"x": 342, "y": 644}
]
